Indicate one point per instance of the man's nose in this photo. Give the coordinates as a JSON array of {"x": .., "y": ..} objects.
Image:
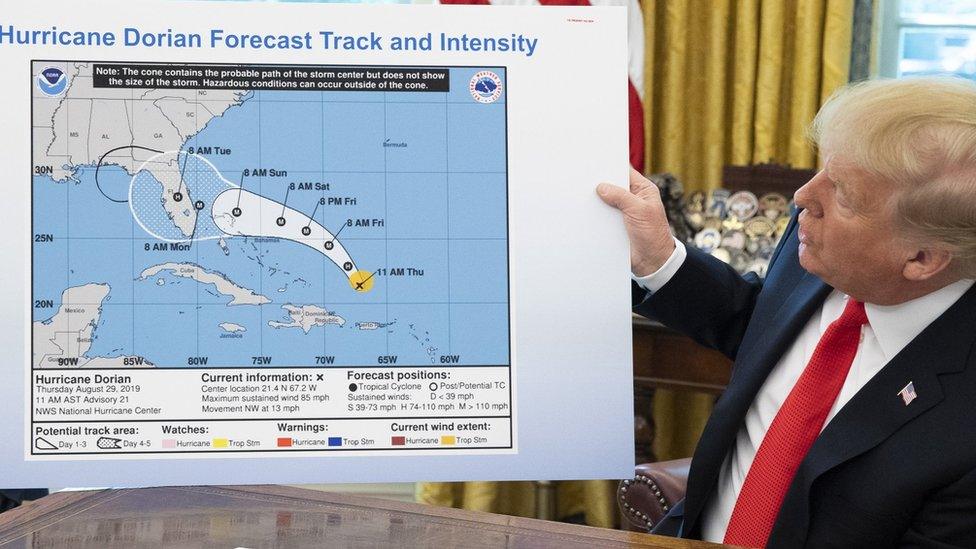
[{"x": 806, "y": 197}]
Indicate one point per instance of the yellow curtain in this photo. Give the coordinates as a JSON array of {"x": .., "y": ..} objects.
[
  {"x": 726, "y": 82},
  {"x": 737, "y": 82},
  {"x": 733, "y": 82}
]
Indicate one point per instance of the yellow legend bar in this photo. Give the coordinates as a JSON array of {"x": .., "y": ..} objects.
[
  {"x": 221, "y": 443},
  {"x": 448, "y": 440}
]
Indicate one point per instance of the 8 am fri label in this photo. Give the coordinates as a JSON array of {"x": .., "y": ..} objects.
[{"x": 143, "y": 411}]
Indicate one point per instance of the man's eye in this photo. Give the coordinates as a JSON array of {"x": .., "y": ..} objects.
[
  {"x": 839, "y": 195},
  {"x": 844, "y": 202}
]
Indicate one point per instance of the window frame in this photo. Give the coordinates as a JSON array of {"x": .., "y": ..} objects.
[{"x": 889, "y": 35}]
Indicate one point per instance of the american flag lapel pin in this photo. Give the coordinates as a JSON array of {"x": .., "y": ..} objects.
[{"x": 908, "y": 393}]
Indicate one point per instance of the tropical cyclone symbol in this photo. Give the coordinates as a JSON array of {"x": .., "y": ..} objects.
[{"x": 181, "y": 197}]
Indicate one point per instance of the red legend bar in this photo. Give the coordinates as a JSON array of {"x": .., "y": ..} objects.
[
  {"x": 284, "y": 442},
  {"x": 399, "y": 441}
]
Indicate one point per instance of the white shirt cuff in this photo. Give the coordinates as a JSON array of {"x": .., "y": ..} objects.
[{"x": 656, "y": 280}]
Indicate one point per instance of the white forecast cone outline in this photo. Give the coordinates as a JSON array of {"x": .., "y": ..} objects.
[
  {"x": 165, "y": 159},
  {"x": 260, "y": 216}
]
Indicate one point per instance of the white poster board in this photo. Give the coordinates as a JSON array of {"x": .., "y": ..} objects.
[{"x": 273, "y": 243}]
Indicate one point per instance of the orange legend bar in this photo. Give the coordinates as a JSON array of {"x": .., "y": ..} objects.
[{"x": 284, "y": 442}]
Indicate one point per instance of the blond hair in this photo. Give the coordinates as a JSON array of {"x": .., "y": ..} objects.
[{"x": 920, "y": 135}]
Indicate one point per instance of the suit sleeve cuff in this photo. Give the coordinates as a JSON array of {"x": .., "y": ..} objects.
[{"x": 656, "y": 280}]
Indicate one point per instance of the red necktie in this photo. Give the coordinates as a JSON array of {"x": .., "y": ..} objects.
[{"x": 795, "y": 427}]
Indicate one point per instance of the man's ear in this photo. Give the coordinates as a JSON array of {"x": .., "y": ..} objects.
[{"x": 927, "y": 263}]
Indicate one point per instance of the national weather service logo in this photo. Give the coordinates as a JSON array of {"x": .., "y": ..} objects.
[
  {"x": 52, "y": 81},
  {"x": 485, "y": 87}
]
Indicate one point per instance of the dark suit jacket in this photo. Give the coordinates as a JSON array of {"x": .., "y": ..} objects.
[
  {"x": 881, "y": 473},
  {"x": 13, "y": 498}
]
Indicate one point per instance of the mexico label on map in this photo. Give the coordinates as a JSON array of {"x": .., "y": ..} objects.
[{"x": 268, "y": 258}]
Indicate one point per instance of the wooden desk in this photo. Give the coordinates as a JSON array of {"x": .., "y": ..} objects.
[{"x": 275, "y": 516}]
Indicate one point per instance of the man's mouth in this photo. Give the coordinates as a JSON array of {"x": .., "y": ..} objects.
[{"x": 801, "y": 232}]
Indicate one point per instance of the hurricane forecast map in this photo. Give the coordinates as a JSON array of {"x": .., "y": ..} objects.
[{"x": 268, "y": 258}]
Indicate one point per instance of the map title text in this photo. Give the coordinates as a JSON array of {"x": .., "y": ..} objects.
[{"x": 329, "y": 40}]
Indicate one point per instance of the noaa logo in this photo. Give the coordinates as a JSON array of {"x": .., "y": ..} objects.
[
  {"x": 485, "y": 87},
  {"x": 52, "y": 81}
]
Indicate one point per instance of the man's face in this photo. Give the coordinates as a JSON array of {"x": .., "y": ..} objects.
[{"x": 848, "y": 233}]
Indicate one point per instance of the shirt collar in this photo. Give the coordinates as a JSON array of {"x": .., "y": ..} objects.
[{"x": 895, "y": 326}]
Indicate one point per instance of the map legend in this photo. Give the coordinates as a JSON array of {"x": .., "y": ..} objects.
[{"x": 240, "y": 410}]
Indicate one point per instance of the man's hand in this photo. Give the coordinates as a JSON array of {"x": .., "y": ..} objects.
[{"x": 647, "y": 224}]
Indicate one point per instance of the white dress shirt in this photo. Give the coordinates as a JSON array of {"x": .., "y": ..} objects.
[{"x": 889, "y": 330}]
